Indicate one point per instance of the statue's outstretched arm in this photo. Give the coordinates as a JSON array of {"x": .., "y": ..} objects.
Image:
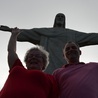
[{"x": 5, "y": 28}]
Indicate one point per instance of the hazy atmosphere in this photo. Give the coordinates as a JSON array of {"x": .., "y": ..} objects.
[{"x": 81, "y": 15}]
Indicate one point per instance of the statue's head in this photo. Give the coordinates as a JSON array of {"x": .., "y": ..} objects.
[{"x": 59, "y": 20}]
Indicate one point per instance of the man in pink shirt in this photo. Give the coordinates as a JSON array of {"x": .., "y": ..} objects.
[{"x": 76, "y": 79}]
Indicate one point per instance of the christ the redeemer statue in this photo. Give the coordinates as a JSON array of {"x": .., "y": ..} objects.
[{"x": 53, "y": 40}]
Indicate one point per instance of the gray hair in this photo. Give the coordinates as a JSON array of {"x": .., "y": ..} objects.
[{"x": 45, "y": 55}]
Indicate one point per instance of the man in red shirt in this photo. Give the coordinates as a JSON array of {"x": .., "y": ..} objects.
[{"x": 30, "y": 82}]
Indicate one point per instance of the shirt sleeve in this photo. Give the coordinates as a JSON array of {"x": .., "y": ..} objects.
[{"x": 16, "y": 63}]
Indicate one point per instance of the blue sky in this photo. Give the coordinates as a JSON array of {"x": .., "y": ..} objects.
[{"x": 81, "y": 15}]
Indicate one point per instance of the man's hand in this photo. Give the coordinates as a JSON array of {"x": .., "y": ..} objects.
[
  {"x": 5, "y": 28},
  {"x": 15, "y": 31}
]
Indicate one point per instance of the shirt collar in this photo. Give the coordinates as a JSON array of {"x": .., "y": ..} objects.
[{"x": 67, "y": 65}]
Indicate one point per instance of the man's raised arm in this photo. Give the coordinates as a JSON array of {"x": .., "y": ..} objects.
[{"x": 12, "y": 55}]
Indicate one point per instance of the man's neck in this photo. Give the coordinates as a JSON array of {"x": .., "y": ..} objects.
[{"x": 73, "y": 62}]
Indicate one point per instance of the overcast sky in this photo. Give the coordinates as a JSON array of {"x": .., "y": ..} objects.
[{"x": 81, "y": 15}]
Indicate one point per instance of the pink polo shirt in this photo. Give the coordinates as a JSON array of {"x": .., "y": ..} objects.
[{"x": 78, "y": 81}]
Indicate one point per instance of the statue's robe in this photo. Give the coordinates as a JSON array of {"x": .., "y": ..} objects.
[{"x": 54, "y": 40}]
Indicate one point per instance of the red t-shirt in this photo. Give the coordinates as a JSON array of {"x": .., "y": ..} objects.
[{"x": 23, "y": 83}]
